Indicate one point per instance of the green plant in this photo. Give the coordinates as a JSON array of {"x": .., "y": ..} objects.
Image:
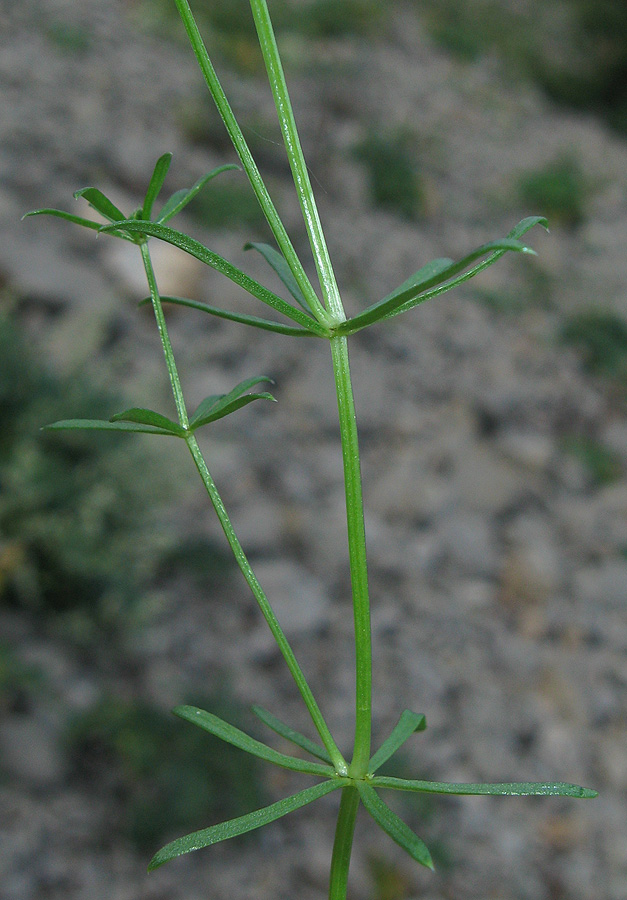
[{"x": 305, "y": 316}]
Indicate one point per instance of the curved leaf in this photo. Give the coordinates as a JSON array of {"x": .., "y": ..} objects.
[
  {"x": 104, "y": 425},
  {"x": 225, "y": 830},
  {"x": 278, "y": 262},
  {"x": 218, "y": 405},
  {"x": 255, "y": 321},
  {"x": 207, "y": 256},
  {"x": 418, "y": 288},
  {"x": 505, "y": 789},
  {"x": 76, "y": 220},
  {"x": 156, "y": 183},
  {"x": 243, "y": 741},
  {"x": 408, "y": 724},
  {"x": 226, "y": 409},
  {"x": 393, "y": 826},
  {"x": 518, "y": 231},
  {"x": 180, "y": 199},
  {"x": 294, "y": 736},
  {"x": 100, "y": 203},
  {"x": 149, "y": 417}
]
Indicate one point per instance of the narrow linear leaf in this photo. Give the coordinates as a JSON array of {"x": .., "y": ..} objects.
[
  {"x": 156, "y": 183},
  {"x": 517, "y": 232},
  {"x": 409, "y": 296},
  {"x": 225, "y": 830},
  {"x": 100, "y": 203},
  {"x": 207, "y": 256},
  {"x": 217, "y": 402},
  {"x": 225, "y": 409},
  {"x": 408, "y": 724},
  {"x": 103, "y": 425},
  {"x": 505, "y": 789},
  {"x": 278, "y": 262},
  {"x": 393, "y": 826},
  {"x": 226, "y": 732},
  {"x": 205, "y": 407},
  {"x": 180, "y": 199},
  {"x": 254, "y": 321},
  {"x": 432, "y": 270},
  {"x": 76, "y": 220},
  {"x": 210, "y": 402},
  {"x": 149, "y": 417},
  {"x": 290, "y": 734}
]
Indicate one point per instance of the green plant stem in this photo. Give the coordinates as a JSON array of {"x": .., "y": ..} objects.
[
  {"x": 300, "y": 173},
  {"x": 343, "y": 843},
  {"x": 246, "y": 158},
  {"x": 266, "y": 610},
  {"x": 357, "y": 556},
  {"x": 268, "y": 613},
  {"x": 175, "y": 381}
]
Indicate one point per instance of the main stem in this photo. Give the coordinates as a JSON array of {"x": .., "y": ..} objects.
[
  {"x": 345, "y": 826},
  {"x": 298, "y": 165},
  {"x": 357, "y": 556}
]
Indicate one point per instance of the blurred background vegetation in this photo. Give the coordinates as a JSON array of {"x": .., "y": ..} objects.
[
  {"x": 80, "y": 537},
  {"x": 575, "y": 50}
]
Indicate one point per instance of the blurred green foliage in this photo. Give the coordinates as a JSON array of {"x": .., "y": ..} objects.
[
  {"x": 575, "y": 50},
  {"x": 69, "y": 38},
  {"x": 558, "y": 189},
  {"x": 230, "y": 23},
  {"x": 168, "y": 776},
  {"x": 18, "y": 681},
  {"x": 76, "y": 531},
  {"x": 392, "y": 174},
  {"x": 228, "y": 204},
  {"x": 592, "y": 75},
  {"x": 601, "y": 337},
  {"x": 601, "y": 464}
]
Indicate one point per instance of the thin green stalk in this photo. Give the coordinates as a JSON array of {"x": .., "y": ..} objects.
[
  {"x": 357, "y": 556},
  {"x": 251, "y": 579},
  {"x": 296, "y": 158},
  {"x": 267, "y": 611},
  {"x": 175, "y": 381},
  {"x": 246, "y": 158},
  {"x": 343, "y": 843}
]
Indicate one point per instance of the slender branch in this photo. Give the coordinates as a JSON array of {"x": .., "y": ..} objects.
[
  {"x": 175, "y": 381},
  {"x": 268, "y": 613},
  {"x": 296, "y": 158},
  {"x": 246, "y": 158},
  {"x": 357, "y": 556}
]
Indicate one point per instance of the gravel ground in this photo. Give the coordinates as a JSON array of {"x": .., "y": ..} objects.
[{"x": 498, "y": 567}]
